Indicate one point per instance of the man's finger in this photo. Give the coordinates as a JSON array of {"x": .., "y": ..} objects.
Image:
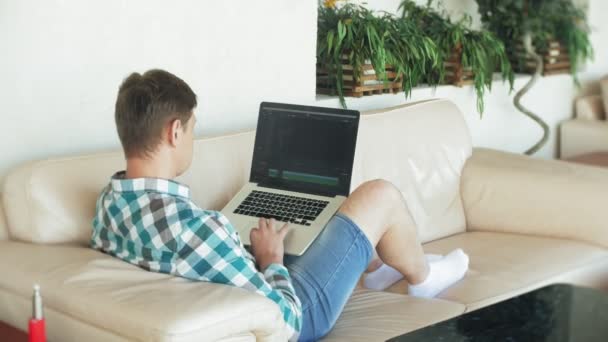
[
  {"x": 284, "y": 230},
  {"x": 262, "y": 223}
]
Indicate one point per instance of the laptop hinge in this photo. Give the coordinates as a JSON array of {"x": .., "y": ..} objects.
[{"x": 303, "y": 191}]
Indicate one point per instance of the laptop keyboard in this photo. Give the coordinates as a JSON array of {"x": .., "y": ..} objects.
[{"x": 283, "y": 208}]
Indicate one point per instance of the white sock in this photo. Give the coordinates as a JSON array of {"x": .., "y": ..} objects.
[
  {"x": 442, "y": 274},
  {"x": 386, "y": 276}
]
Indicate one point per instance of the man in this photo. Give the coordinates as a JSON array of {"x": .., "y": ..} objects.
[{"x": 145, "y": 218}]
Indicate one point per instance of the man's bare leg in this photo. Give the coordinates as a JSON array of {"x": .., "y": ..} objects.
[{"x": 380, "y": 211}]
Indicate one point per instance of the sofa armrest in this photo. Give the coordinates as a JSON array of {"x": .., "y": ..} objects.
[
  {"x": 510, "y": 193},
  {"x": 583, "y": 136},
  {"x": 90, "y": 288},
  {"x": 590, "y": 107},
  {"x": 3, "y": 226}
]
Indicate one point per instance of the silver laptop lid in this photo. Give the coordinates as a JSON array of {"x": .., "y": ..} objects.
[{"x": 305, "y": 149}]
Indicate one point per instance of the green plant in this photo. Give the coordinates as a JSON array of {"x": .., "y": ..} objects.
[
  {"x": 354, "y": 35},
  {"x": 481, "y": 51},
  {"x": 545, "y": 20}
]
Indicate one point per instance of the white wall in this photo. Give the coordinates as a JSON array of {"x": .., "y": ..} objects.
[{"x": 62, "y": 61}]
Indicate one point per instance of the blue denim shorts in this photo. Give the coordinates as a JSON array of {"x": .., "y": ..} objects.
[{"x": 325, "y": 276}]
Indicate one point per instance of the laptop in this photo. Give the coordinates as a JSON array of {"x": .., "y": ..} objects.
[{"x": 300, "y": 173}]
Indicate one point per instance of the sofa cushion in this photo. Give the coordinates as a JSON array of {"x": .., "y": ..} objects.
[
  {"x": 377, "y": 316},
  {"x": 505, "y": 265},
  {"x": 85, "y": 291},
  {"x": 53, "y": 201},
  {"x": 124, "y": 300},
  {"x": 590, "y": 107},
  {"x": 582, "y": 136},
  {"x": 510, "y": 193},
  {"x": 65, "y": 328},
  {"x": 422, "y": 149},
  {"x": 3, "y": 226},
  {"x": 604, "y": 89}
]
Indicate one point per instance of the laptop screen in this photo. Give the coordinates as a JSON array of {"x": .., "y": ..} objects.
[{"x": 305, "y": 149}]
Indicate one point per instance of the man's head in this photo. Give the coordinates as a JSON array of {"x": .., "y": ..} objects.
[{"x": 154, "y": 116}]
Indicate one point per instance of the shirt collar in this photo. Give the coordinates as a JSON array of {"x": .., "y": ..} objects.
[{"x": 167, "y": 186}]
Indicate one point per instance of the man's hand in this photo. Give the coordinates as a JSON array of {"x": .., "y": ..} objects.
[{"x": 267, "y": 243}]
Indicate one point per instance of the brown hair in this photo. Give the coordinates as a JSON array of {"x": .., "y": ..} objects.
[{"x": 145, "y": 104}]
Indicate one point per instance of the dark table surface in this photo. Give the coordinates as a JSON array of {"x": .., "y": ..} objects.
[
  {"x": 11, "y": 334},
  {"x": 563, "y": 313}
]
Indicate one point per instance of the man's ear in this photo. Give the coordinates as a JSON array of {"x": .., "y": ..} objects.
[{"x": 174, "y": 132}]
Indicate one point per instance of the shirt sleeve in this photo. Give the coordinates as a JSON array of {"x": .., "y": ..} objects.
[{"x": 208, "y": 251}]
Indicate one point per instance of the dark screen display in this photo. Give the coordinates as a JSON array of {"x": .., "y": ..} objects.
[{"x": 305, "y": 149}]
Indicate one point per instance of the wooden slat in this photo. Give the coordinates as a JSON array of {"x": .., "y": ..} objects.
[
  {"x": 325, "y": 91},
  {"x": 391, "y": 75},
  {"x": 356, "y": 86},
  {"x": 377, "y": 86},
  {"x": 455, "y": 73},
  {"x": 556, "y": 72},
  {"x": 555, "y": 57},
  {"x": 561, "y": 65}
]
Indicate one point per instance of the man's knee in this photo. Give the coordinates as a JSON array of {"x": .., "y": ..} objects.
[{"x": 381, "y": 188}]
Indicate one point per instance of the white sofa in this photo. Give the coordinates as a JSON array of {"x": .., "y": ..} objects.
[
  {"x": 588, "y": 131},
  {"x": 524, "y": 222}
]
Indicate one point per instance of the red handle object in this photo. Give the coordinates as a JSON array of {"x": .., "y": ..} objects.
[{"x": 36, "y": 330}]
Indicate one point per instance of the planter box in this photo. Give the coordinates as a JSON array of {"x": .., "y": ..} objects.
[
  {"x": 455, "y": 73},
  {"x": 555, "y": 60},
  {"x": 365, "y": 85}
]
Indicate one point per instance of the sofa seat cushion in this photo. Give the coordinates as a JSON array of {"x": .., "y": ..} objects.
[
  {"x": 98, "y": 290},
  {"x": 505, "y": 265},
  {"x": 377, "y": 316}
]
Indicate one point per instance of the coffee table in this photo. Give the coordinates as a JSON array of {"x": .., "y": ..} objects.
[
  {"x": 553, "y": 313},
  {"x": 9, "y": 333}
]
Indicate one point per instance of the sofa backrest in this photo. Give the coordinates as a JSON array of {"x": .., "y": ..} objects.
[
  {"x": 421, "y": 148},
  {"x": 53, "y": 201},
  {"x": 604, "y": 93},
  {"x": 590, "y": 107},
  {"x": 3, "y": 226}
]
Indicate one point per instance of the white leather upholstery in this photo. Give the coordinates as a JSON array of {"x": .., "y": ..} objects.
[
  {"x": 422, "y": 149},
  {"x": 3, "y": 225},
  {"x": 505, "y": 192},
  {"x": 505, "y": 265},
  {"x": 588, "y": 132},
  {"x": 53, "y": 201},
  {"x": 132, "y": 304},
  {"x": 604, "y": 90},
  {"x": 377, "y": 316},
  {"x": 590, "y": 107},
  {"x": 583, "y": 136},
  {"x": 98, "y": 290}
]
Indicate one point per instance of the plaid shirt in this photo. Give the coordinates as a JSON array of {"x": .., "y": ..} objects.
[{"x": 153, "y": 223}]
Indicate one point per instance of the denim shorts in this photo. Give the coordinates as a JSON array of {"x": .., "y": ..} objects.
[{"x": 325, "y": 276}]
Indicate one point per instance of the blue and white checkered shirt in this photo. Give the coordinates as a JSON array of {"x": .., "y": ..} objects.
[{"x": 154, "y": 224}]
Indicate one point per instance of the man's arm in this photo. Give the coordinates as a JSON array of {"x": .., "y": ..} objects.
[{"x": 208, "y": 252}]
